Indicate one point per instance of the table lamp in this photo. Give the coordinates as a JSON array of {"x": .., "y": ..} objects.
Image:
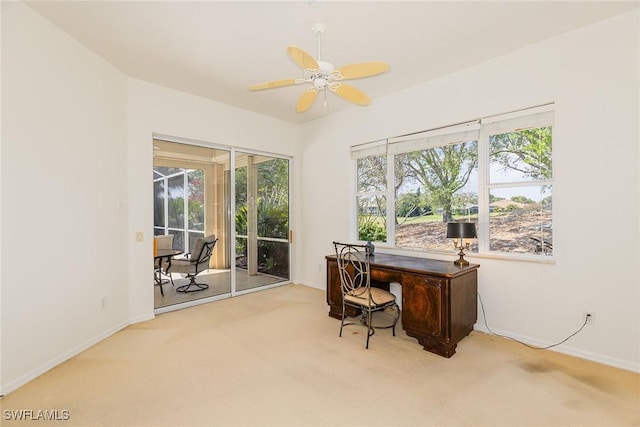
[{"x": 461, "y": 232}]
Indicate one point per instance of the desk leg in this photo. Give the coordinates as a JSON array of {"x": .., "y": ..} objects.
[{"x": 433, "y": 344}]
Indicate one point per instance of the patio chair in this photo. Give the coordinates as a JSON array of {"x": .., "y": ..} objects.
[{"x": 194, "y": 263}]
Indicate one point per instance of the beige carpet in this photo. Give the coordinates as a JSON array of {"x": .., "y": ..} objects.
[{"x": 274, "y": 358}]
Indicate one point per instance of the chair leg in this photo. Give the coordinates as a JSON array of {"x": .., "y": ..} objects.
[
  {"x": 370, "y": 330},
  {"x": 396, "y": 308},
  {"x": 342, "y": 320}
]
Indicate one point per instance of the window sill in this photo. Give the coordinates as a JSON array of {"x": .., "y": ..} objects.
[{"x": 448, "y": 255}]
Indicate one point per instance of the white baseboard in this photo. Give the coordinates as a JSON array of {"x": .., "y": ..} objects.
[
  {"x": 29, "y": 376},
  {"x": 322, "y": 287},
  {"x": 564, "y": 349},
  {"x": 142, "y": 318}
]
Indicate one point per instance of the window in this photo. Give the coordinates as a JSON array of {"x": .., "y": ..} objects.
[
  {"x": 179, "y": 204},
  {"x": 495, "y": 171},
  {"x": 372, "y": 198}
]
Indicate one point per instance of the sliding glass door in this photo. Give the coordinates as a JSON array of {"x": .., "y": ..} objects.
[
  {"x": 195, "y": 188},
  {"x": 261, "y": 220},
  {"x": 191, "y": 201}
]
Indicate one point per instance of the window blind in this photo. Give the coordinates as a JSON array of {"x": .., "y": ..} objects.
[
  {"x": 376, "y": 148},
  {"x": 434, "y": 138},
  {"x": 540, "y": 116},
  {"x": 530, "y": 118}
]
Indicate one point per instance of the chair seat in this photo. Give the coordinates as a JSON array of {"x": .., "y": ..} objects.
[{"x": 378, "y": 297}]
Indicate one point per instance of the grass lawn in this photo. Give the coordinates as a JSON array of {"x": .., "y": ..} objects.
[{"x": 421, "y": 219}]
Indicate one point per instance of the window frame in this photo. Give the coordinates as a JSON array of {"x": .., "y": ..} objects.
[{"x": 535, "y": 117}]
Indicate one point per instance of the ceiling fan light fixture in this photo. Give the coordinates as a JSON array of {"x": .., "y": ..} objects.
[{"x": 323, "y": 75}]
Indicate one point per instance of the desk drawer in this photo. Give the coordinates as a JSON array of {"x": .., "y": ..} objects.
[{"x": 382, "y": 275}]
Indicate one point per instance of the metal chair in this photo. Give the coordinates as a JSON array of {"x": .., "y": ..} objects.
[
  {"x": 355, "y": 280},
  {"x": 165, "y": 241},
  {"x": 194, "y": 263}
]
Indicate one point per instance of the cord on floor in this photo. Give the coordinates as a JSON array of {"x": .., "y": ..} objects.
[{"x": 520, "y": 342}]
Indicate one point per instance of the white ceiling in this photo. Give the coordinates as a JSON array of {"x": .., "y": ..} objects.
[{"x": 216, "y": 49}]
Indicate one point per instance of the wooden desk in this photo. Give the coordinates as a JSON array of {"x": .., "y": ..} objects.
[{"x": 438, "y": 298}]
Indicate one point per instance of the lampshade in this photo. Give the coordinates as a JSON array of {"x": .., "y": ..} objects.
[{"x": 465, "y": 230}]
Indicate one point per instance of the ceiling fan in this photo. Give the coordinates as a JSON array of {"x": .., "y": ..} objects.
[{"x": 323, "y": 75}]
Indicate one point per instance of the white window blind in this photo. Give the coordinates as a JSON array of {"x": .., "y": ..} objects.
[
  {"x": 540, "y": 116},
  {"x": 525, "y": 119},
  {"x": 375, "y": 148},
  {"x": 435, "y": 138}
]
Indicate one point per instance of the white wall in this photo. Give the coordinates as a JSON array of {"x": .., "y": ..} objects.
[
  {"x": 76, "y": 180},
  {"x": 64, "y": 171},
  {"x": 592, "y": 75},
  {"x": 164, "y": 111}
]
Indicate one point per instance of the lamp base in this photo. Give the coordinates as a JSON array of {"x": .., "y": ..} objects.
[{"x": 461, "y": 261}]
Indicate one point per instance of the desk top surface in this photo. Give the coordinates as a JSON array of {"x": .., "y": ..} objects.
[{"x": 416, "y": 265}]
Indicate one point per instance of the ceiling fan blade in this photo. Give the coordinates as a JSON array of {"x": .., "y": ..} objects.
[
  {"x": 363, "y": 69},
  {"x": 352, "y": 94},
  {"x": 273, "y": 84},
  {"x": 302, "y": 58},
  {"x": 306, "y": 100}
]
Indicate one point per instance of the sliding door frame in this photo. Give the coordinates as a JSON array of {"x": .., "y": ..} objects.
[
  {"x": 234, "y": 291},
  {"x": 231, "y": 214}
]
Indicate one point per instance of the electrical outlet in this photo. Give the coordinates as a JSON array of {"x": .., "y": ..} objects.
[
  {"x": 590, "y": 317},
  {"x": 139, "y": 236}
]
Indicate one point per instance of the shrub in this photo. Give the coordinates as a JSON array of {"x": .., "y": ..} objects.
[{"x": 372, "y": 232}]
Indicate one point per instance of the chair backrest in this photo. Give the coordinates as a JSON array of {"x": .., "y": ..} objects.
[
  {"x": 202, "y": 250},
  {"x": 354, "y": 267},
  {"x": 165, "y": 241}
]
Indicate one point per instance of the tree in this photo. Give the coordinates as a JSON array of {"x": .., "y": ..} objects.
[
  {"x": 372, "y": 178},
  {"x": 493, "y": 198},
  {"x": 372, "y": 174},
  {"x": 195, "y": 198},
  {"x": 527, "y": 151},
  {"x": 522, "y": 199},
  {"x": 442, "y": 171},
  {"x": 411, "y": 204},
  {"x": 273, "y": 198}
]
